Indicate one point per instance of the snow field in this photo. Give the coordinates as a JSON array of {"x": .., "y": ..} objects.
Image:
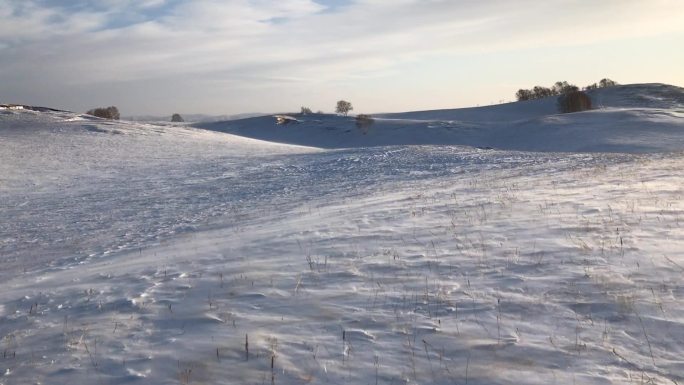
[{"x": 136, "y": 253}]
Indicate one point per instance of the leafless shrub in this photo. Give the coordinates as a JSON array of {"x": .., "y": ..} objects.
[
  {"x": 106, "y": 113},
  {"x": 364, "y": 123},
  {"x": 575, "y": 101}
]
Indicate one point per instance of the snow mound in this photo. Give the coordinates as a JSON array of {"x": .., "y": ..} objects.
[{"x": 633, "y": 118}]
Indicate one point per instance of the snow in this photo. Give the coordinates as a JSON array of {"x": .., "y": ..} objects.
[
  {"x": 168, "y": 254},
  {"x": 617, "y": 125}
]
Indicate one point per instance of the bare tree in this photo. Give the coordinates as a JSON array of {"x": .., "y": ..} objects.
[
  {"x": 343, "y": 107},
  {"x": 560, "y": 88},
  {"x": 605, "y": 82},
  {"x": 542, "y": 92},
  {"x": 524, "y": 94}
]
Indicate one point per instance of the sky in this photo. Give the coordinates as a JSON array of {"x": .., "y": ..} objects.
[{"x": 157, "y": 57}]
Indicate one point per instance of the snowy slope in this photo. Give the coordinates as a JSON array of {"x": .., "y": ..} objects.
[
  {"x": 632, "y": 118},
  {"x": 90, "y": 171},
  {"x": 165, "y": 254},
  {"x": 655, "y": 95}
]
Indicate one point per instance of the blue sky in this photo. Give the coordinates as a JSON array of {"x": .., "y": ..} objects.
[{"x": 232, "y": 56}]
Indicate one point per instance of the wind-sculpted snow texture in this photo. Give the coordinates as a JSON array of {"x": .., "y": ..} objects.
[{"x": 136, "y": 253}]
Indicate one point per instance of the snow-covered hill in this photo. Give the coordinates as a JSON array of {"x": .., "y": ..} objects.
[
  {"x": 631, "y": 118},
  {"x": 166, "y": 254}
]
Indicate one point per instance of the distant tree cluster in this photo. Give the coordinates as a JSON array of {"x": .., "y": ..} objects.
[
  {"x": 539, "y": 92},
  {"x": 603, "y": 83},
  {"x": 558, "y": 89},
  {"x": 105, "y": 112},
  {"x": 177, "y": 118},
  {"x": 305, "y": 111}
]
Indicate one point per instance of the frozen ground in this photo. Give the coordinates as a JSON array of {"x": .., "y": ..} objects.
[{"x": 136, "y": 253}]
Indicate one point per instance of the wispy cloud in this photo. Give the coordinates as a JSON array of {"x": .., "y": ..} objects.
[{"x": 57, "y": 46}]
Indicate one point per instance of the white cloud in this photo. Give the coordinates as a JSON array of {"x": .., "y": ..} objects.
[
  {"x": 259, "y": 43},
  {"x": 29, "y": 22}
]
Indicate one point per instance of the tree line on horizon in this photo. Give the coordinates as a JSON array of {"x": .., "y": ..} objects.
[
  {"x": 342, "y": 108},
  {"x": 112, "y": 113},
  {"x": 559, "y": 88},
  {"x": 568, "y": 93}
]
